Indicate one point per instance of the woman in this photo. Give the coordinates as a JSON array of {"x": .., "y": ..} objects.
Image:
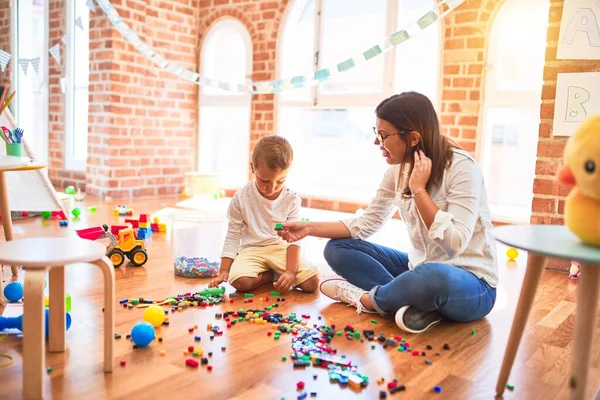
[{"x": 440, "y": 194}]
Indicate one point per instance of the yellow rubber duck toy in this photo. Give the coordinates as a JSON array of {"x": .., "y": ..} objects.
[{"x": 581, "y": 168}]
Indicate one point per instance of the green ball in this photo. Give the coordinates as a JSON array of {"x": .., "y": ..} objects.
[
  {"x": 46, "y": 214},
  {"x": 70, "y": 190},
  {"x": 76, "y": 212}
]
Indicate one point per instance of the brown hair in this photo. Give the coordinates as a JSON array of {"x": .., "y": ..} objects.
[
  {"x": 274, "y": 151},
  {"x": 412, "y": 111}
]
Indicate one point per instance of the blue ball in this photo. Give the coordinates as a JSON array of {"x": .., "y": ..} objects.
[
  {"x": 142, "y": 334},
  {"x": 13, "y": 291},
  {"x": 47, "y": 325}
]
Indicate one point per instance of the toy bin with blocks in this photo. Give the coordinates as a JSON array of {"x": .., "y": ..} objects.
[{"x": 197, "y": 238}]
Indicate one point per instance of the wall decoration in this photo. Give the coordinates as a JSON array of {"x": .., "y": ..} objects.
[
  {"x": 577, "y": 97},
  {"x": 579, "y": 37}
]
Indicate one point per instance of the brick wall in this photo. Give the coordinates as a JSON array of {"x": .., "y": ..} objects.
[
  {"x": 5, "y": 35},
  {"x": 464, "y": 57},
  {"x": 549, "y": 196}
]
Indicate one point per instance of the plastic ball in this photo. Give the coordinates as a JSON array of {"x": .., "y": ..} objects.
[
  {"x": 154, "y": 315},
  {"x": 76, "y": 212},
  {"x": 47, "y": 324},
  {"x": 512, "y": 253},
  {"x": 46, "y": 214},
  {"x": 70, "y": 190},
  {"x": 13, "y": 291},
  {"x": 142, "y": 334}
]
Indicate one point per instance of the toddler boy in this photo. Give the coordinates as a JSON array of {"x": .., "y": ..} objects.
[{"x": 253, "y": 214}]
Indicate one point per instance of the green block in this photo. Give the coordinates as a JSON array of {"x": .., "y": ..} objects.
[
  {"x": 275, "y": 294},
  {"x": 403, "y": 340},
  {"x": 339, "y": 333},
  {"x": 240, "y": 319},
  {"x": 510, "y": 387},
  {"x": 283, "y": 358},
  {"x": 134, "y": 301},
  {"x": 373, "y": 321},
  {"x": 49, "y": 369},
  {"x": 278, "y": 227},
  {"x": 68, "y": 303},
  {"x": 241, "y": 310},
  {"x": 473, "y": 332},
  {"x": 373, "y": 347},
  {"x": 248, "y": 295},
  {"x": 356, "y": 335},
  {"x": 92, "y": 209}
]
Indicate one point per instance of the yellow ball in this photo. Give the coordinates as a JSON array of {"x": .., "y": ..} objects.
[
  {"x": 512, "y": 253},
  {"x": 154, "y": 315}
]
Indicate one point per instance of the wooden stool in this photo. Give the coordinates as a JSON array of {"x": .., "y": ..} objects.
[
  {"x": 543, "y": 241},
  {"x": 37, "y": 255}
]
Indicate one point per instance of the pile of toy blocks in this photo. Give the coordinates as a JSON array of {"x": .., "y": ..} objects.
[{"x": 144, "y": 229}]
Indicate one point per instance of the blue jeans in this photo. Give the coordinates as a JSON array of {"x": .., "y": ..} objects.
[{"x": 454, "y": 292}]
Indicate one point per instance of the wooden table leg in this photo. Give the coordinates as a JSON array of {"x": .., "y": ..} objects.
[
  {"x": 108, "y": 272},
  {"x": 6, "y": 216},
  {"x": 585, "y": 318},
  {"x": 34, "y": 341},
  {"x": 57, "y": 310},
  {"x": 535, "y": 266}
]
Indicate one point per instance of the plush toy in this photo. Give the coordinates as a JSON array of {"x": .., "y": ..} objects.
[{"x": 581, "y": 168}]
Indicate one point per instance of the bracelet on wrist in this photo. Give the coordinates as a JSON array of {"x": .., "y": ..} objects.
[{"x": 419, "y": 191}]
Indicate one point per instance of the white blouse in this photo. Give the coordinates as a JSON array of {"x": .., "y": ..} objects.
[{"x": 462, "y": 231}]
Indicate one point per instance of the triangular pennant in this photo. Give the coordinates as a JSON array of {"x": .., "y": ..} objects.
[
  {"x": 79, "y": 22},
  {"x": 24, "y": 63},
  {"x": 66, "y": 39},
  {"x": 36, "y": 64},
  {"x": 4, "y": 59},
  {"x": 91, "y": 5},
  {"x": 55, "y": 52}
]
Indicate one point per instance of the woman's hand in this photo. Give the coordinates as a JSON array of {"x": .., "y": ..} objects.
[
  {"x": 294, "y": 231},
  {"x": 420, "y": 173}
]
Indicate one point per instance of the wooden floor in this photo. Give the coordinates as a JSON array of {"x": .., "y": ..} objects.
[{"x": 251, "y": 367}]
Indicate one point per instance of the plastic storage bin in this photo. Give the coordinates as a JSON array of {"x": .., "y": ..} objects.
[{"x": 197, "y": 243}]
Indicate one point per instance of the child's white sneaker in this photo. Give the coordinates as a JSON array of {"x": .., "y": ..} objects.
[{"x": 341, "y": 290}]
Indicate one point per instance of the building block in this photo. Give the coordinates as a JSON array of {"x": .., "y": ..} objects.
[
  {"x": 67, "y": 302},
  {"x": 145, "y": 218},
  {"x": 114, "y": 229},
  {"x": 144, "y": 225},
  {"x": 144, "y": 233},
  {"x": 63, "y": 222},
  {"x": 133, "y": 222}
]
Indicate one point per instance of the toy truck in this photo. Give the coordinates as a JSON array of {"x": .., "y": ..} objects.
[{"x": 124, "y": 245}]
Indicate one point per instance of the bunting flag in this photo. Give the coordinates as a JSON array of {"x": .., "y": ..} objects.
[
  {"x": 36, "y": 64},
  {"x": 4, "y": 59},
  {"x": 91, "y": 5},
  {"x": 79, "y": 23},
  {"x": 66, "y": 39},
  {"x": 440, "y": 10},
  {"x": 24, "y": 63},
  {"x": 55, "y": 52}
]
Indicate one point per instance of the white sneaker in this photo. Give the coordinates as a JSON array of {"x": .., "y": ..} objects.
[
  {"x": 342, "y": 290},
  {"x": 413, "y": 320}
]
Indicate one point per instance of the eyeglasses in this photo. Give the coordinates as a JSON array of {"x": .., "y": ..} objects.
[{"x": 381, "y": 137}]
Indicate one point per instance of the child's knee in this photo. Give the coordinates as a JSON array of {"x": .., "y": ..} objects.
[
  {"x": 243, "y": 284},
  {"x": 310, "y": 285}
]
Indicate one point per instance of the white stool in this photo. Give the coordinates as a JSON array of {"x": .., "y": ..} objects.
[{"x": 37, "y": 255}]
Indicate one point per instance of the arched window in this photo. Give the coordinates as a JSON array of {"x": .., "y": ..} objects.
[
  {"x": 330, "y": 125},
  {"x": 224, "y": 116},
  {"x": 511, "y": 111}
]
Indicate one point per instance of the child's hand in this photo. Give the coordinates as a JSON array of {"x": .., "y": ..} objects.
[
  {"x": 294, "y": 231},
  {"x": 285, "y": 281},
  {"x": 219, "y": 279}
]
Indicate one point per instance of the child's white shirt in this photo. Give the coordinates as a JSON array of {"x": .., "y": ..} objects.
[{"x": 252, "y": 219}]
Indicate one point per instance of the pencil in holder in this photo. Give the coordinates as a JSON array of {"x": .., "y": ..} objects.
[{"x": 14, "y": 149}]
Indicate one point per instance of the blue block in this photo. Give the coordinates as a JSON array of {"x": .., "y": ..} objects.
[
  {"x": 144, "y": 233},
  {"x": 63, "y": 222}
]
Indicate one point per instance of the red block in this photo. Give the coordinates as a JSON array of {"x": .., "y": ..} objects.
[
  {"x": 191, "y": 363},
  {"x": 144, "y": 217},
  {"x": 134, "y": 222},
  {"x": 154, "y": 227}
]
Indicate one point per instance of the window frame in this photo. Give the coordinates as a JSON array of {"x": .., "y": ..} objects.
[
  {"x": 320, "y": 100},
  {"x": 241, "y": 99},
  {"x": 70, "y": 162},
  {"x": 43, "y": 69}
]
